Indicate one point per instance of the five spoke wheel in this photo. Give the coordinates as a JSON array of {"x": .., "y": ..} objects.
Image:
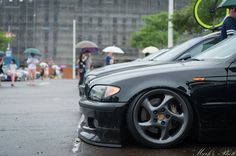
[{"x": 159, "y": 118}]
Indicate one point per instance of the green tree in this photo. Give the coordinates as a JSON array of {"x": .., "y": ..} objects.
[
  {"x": 153, "y": 33},
  {"x": 184, "y": 21},
  {"x": 3, "y": 41},
  {"x": 155, "y": 29}
]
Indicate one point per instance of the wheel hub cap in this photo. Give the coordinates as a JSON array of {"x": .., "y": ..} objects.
[{"x": 161, "y": 116}]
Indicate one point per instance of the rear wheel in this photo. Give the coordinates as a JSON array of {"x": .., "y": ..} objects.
[
  {"x": 159, "y": 118},
  {"x": 208, "y": 15}
]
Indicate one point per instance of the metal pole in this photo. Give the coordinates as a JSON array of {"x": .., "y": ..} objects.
[
  {"x": 34, "y": 16},
  {"x": 9, "y": 44},
  {"x": 74, "y": 40},
  {"x": 34, "y": 20},
  {"x": 170, "y": 24},
  {"x": 26, "y": 26}
]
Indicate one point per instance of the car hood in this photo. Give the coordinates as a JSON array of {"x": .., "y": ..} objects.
[
  {"x": 123, "y": 67},
  {"x": 162, "y": 69}
]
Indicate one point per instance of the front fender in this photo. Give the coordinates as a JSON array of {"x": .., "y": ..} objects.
[{"x": 129, "y": 89}]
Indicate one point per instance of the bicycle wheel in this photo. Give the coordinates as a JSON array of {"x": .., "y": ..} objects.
[{"x": 207, "y": 15}]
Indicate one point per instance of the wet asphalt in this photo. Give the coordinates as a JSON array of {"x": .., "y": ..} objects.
[
  {"x": 38, "y": 120},
  {"x": 42, "y": 121}
]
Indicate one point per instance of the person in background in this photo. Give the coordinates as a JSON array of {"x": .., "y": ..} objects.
[
  {"x": 229, "y": 24},
  {"x": 57, "y": 72},
  {"x": 88, "y": 63},
  {"x": 12, "y": 72},
  {"x": 1, "y": 65},
  {"x": 109, "y": 59},
  {"x": 32, "y": 62},
  {"x": 42, "y": 73},
  {"x": 82, "y": 67},
  {"x": 46, "y": 72}
]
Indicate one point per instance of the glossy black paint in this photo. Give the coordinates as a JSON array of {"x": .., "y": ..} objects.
[
  {"x": 173, "y": 75},
  {"x": 101, "y": 123},
  {"x": 183, "y": 50},
  {"x": 213, "y": 98}
]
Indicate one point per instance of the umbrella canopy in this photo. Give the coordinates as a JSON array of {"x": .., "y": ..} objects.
[
  {"x": 87, "y": 47},
  {"x": 35, "y": 51},
  {"x": 2, "y": 54},
  {"x": 7, "y": 61},
  {"x": 150, "y": 49},
  {"x": 86, "y": 44},
  {"x": 113, "y": 49},
  {"x": 227, "y": 4}
]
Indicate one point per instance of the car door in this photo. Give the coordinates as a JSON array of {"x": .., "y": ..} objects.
[
  {"x": 231, "y": 106},
  {"x": 220, "y": 112},
  {"x": 210, "y": 96}
]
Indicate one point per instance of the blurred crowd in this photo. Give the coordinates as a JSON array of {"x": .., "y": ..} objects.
[{"x": 35, "y": 69}]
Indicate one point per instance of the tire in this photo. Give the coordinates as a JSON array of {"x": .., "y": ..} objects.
[
  {"x": 208, "y": 15},
  {"x": 160, "y": 118}
]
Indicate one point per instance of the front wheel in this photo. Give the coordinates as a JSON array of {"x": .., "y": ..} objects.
[
  {"x": 160, "y": 118},
  {"x": 208, "y": 15}
]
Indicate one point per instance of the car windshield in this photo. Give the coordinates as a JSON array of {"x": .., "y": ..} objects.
[
  {"x": 222, "y": 50},
  {"x": 178, "y": 50},
  {"x": 154, "y": 55}
]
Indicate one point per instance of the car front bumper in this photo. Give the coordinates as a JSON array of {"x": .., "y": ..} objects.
[{"x": 102, "y": 123}]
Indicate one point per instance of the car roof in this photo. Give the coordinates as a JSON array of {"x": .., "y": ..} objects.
[
  {"x": 214, "y": 34},
  {"x": 172, "y": 54}
]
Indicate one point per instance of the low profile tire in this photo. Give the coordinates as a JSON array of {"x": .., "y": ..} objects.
[{"x": 160, "y": 118}]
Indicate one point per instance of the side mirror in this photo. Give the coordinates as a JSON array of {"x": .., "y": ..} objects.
[{"x": 185, "y": 56}]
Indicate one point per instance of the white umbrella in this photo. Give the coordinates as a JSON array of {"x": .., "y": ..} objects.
[
  {"x": 113, "y": 49},
  {"x": 150, "y": 49},
  {"x": 43, "y": 64}
]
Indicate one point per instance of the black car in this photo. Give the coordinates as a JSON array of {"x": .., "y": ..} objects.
[
  {"x": 183, "y": 51},
  {"x": 161, "y": 105}
]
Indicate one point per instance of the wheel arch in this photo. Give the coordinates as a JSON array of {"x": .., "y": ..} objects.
[{"x": 143, "y": 91}]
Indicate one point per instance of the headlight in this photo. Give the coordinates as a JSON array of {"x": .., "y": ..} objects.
[{"x": 103, "y": 93}]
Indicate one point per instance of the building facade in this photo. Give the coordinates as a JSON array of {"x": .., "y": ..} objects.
[{"x": 48, "y": 24}]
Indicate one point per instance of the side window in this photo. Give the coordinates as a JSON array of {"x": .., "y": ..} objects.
[
  {"x": 195, "y": 50},
  {"x": 210, "y": 43},
  {"x": 203, "y": 46}
]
